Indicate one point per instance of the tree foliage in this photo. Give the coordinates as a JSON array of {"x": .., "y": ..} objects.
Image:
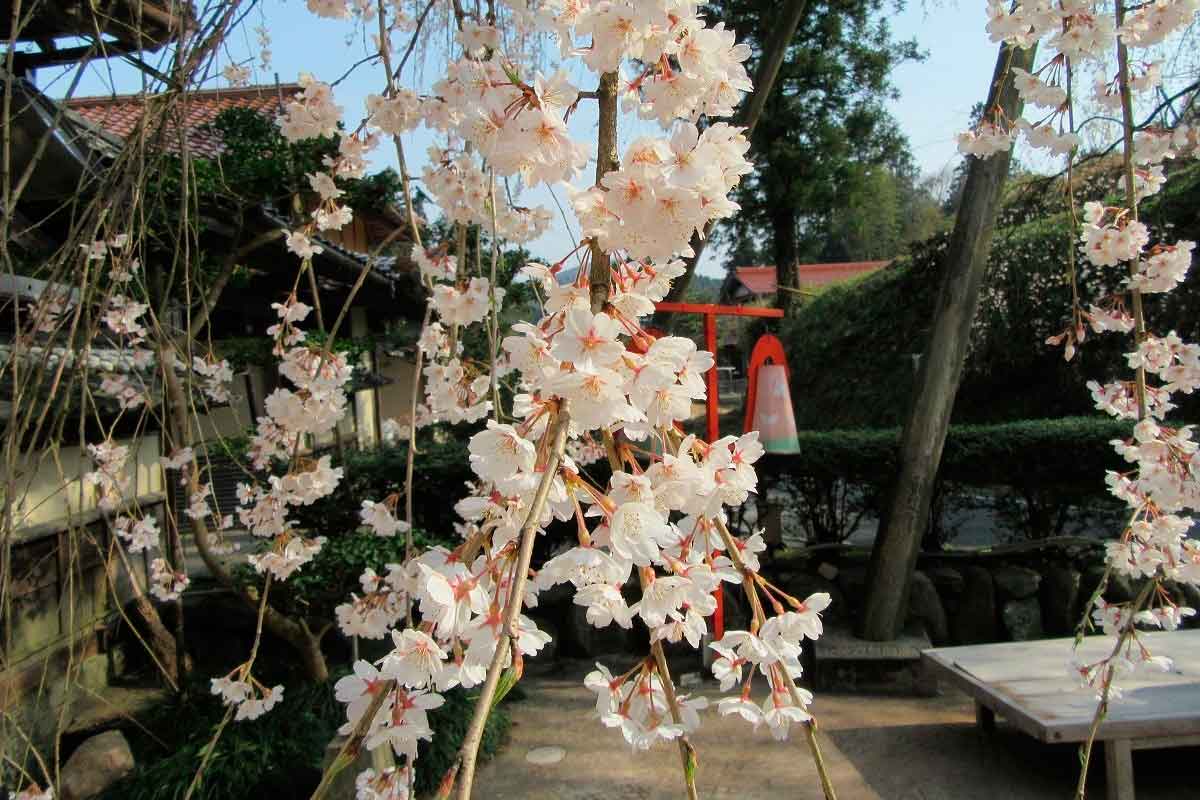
[{"x": 834, "y": 179}]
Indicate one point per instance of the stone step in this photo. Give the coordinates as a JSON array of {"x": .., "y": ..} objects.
[{"x": 843, "y": 662}]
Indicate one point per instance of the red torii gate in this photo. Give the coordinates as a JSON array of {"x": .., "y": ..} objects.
[{"x": 711, "y": 311}]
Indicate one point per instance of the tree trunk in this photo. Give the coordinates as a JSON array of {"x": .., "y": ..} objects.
[
  {"x": 783, "y": 240},
  {"x": 894, "y": 555},
  {"x": 162, "y": 644},
  {"x": 296, "y": 633}
]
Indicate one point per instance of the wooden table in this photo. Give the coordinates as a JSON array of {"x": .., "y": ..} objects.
[{"x": 1028, "y": 684}]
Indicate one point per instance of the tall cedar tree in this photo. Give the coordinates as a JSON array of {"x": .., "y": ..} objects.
[{"x": 825, "y": 137}]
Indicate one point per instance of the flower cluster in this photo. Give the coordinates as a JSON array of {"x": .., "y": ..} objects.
[
  {"x": 139, "y": 534},
  {"x": 166, "y": 583},
  {"x": 239, "y": 688},
  {"x": 666, "y": 191},
  {"x": 1164, "y": 480}
]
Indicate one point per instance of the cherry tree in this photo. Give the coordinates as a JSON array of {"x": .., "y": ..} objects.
[{"x": 1163, "y": 482}]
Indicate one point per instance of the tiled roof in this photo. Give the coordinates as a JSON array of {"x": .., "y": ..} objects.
[
  {"x": 119, "y": 114},
  {"x": 762, "y": 280},
  {"x": 759, "y": 280},
  {"x": 822, "y": 274}
]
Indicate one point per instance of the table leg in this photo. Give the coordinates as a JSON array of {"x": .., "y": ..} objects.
[
  {"x": 985, "y": 718},
  {"x": 1118, "y": 763}
]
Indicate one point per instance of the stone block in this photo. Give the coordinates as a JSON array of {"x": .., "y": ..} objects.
[
  {"x": 924, "y": 605},
  {"x": 1023, "y": 619},
  {"x": 95, "y": 765},
  {"x": 974, "y": 620},
  {"x": 1060, "y": 599},
  {"x": 1015, "y": 583}
]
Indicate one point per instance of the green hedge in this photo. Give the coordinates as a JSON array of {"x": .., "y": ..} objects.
[
  {"x": 851, "y": 347},
  {"x": 1045, "y": 476},
  {"x": 1063, "y": 452}
]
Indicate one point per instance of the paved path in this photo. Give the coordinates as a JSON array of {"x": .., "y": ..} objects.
[{"x": 888, "y": 748}]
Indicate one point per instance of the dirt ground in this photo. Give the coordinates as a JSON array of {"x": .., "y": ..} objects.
[{"x": 886, "y": 747}]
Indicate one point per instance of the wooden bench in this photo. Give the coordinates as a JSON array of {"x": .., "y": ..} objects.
[{"x": 1027, "y": 683}]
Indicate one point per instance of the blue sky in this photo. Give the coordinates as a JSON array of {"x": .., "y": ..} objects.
[{"x": 935, "y": 99}]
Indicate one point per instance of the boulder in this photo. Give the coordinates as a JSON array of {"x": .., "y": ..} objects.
[
  {"x": 1023, "y": 619},
  {"x": 1015, "y": 583},
  {"x": 588, "y": 641},
  {"x": 948, "y": 580},
  {"x": 1060, "y": 600},
  {"x": 924, "y": 605},
  {"x": 974, "y": 620},
  {"x": 1121, "y": 588},
  {"x": 95, "y": 765}
]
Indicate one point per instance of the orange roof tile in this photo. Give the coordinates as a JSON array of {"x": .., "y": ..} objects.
[
  {"x": 759, "y": 280},
  {"x": 823, "y": 274},
  {"x": 119, "y": 114}
]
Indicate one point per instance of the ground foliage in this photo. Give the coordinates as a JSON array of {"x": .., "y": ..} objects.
[{"x": 277, "y": 756}]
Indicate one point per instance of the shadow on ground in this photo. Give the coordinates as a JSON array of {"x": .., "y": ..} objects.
[{"x": 877, "y": 747}]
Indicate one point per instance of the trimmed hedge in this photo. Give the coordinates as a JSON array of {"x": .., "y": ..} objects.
[
  {"x": 1048, "y": 475},
  {"x": 1070, "y": 452}
]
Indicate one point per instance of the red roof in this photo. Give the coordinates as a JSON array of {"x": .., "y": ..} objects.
[
  {"x": 763, "y": 280},
  {"x": 759, "y": 280},
  {"x": 119, "y": 114},
  {"x": 823, "y": 274}
]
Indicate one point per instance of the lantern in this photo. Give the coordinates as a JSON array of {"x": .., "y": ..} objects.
[{"x": 768, "y": 398}]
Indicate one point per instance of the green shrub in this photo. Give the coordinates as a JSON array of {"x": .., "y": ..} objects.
[
  {"x": 279, "y": 755},
  {"x": 1062, "y": 452},
  {"x": 327, "y": 581},
  {"x": 851, "y": 348},
  {"x": 440, "y": 472}
]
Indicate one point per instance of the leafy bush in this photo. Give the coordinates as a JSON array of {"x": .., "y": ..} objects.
[
  {"x": 327, "y": 581},
  {"x": 878, "y": 325},
  {"x": 278, "y": 755},
  {"x": 440, "y": 471}
]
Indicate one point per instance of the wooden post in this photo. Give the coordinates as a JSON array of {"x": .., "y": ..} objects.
[
  {"x": 894, "y": 555},
  {"x": 1118, "y": 766}
]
